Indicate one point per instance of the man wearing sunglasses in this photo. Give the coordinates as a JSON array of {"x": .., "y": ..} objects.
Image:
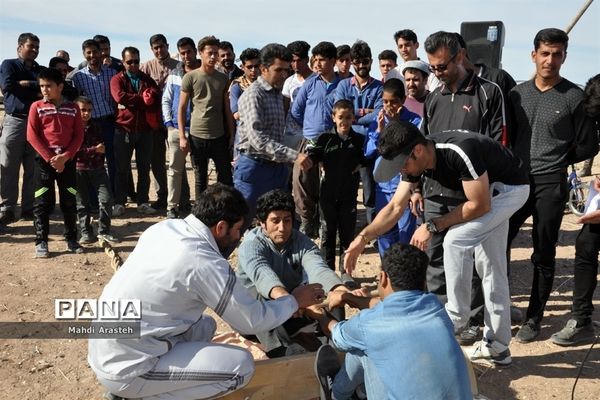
[
  {"x": 463, "y": 101},
  {"x": 135, "y": 93}
]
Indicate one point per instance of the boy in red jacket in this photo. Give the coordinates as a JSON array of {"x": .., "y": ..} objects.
[{"x": 55, "y": 131}]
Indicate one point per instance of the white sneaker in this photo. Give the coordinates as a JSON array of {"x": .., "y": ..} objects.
[
  {"x": 494, "y": 352},
  {"x": 146, "y": 209},
  {"x": 118, "y": 210}
]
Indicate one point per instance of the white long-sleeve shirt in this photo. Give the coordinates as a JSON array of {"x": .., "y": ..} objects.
[{"x": 177, "y": 271}]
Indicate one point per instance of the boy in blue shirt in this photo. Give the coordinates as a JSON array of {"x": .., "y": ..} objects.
[
  {"x": 341, "y": 154},
  {"x": 393, "y": 109}
]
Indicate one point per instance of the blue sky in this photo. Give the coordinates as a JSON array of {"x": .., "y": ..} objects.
[{"x": 62, "y": 24}]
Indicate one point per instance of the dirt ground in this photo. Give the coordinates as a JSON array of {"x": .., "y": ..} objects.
[{"x": 57, "y": 368}]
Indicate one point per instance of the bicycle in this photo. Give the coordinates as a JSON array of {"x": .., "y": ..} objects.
[{"x": 577, "y": 199}]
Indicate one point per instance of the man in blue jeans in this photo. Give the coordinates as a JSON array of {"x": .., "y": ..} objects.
[{"x": 403, "y": 346}]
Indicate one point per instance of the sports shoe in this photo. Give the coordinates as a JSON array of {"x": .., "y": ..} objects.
[
  {"x": 572, "y": 334},
  {"x": 172, "y": 213},
  {"x": 496, "y": 353},
  {"x": 41, "y": 250},
  {"x": 327, "y": 365},
  {"x": 159, "y": 205},
  {"x": 27, "y": 215},
  {"x": 87, "y": 238},
  {"x": 74, "y": 247},
  {"x": 516, "y": 315},
  {"x": 118, "y": 210},
  {"x": 7, "y": 217},
  {"x": 146, "y": 209},
  {"x": 108, "y": 238},
  {"x": 528, "y": 332},
  {"x": 469, "y": 336}
]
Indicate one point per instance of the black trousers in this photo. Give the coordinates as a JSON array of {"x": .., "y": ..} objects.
[
  {"x": 93, "y": 181},
  {"x": 218, "y": 151},
  {"x": 369, "y": 186},
  {"x": 124, "y": 145},
  {"x": 45, "y": 176},
  {"x": 587, "y": 247},
  {"x": 159, "y": 171},
  {"x": 338, "y": 215},
  {"x": 546, "y": 203}
]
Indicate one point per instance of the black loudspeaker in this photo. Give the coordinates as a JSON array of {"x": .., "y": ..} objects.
[{"x": 485, "y": 40}]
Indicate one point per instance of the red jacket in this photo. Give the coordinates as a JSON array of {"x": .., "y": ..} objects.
[
  {"x": 55, "y": 130},
  {"x": 131, "y": 108}
]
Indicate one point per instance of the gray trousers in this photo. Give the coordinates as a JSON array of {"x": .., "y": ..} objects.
[
  {"x": 194, "y": 368},
  {"x": 177, "y": 182},
  {"x": 14, "y": 152},
  {"x": 486, "y": 237}
]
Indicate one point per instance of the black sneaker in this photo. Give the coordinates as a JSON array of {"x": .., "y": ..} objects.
[
  {"x": 74, "y": 247},
  {"x": 572, "y": 334},
  {"x": 493, "y": 352},
  {"x": 469, "y": 336},
  {"x": 159, "y": 205},
  {"x": 7, "y": 217},
  {"x": 27, "y": 215},
  {"x": 87, "y": 238},
  {"x": 528, "y": 332},
  {"x": 172, "y": 213},
  {"x": 327, "y": 365}
]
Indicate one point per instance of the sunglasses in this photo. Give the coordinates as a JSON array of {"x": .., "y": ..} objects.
[
  {"x": 251, "y": 66},
  {"x": 442, "y": 67},
  {"x": 131, "y": 62}
]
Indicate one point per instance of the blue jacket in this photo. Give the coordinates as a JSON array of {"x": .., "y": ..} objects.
[
  {"x": 313, "y": 104},
  {"x": 18, "y": 99},
  {"x": 368, "y": 97},
  {"x": 170, "y": 99}
]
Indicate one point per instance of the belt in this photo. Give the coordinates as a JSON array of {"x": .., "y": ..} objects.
[
  {"x": 259, "y": 159},
  {"x": 18, "y": 115}
]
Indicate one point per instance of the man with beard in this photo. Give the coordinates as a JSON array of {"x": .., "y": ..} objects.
[
  {"x": 184, "y": 263},
  {"x": 463, "y": 101},
  {"x": 365, "y": 93},
  {"x": 93, "y": 82},
  {"x": 264, "y": 158},
  {"x": 105, "y": 57},
  {"x": 18, "y": 81},
  {"x": 273, "y": 260},
  {"x": 178, "y": 197},
  {"x": 415, "y": 75},
  {"x": 159, "y": 69},
  {"x": 227, "y": 61}
]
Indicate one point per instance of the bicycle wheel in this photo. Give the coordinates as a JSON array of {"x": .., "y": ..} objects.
[{"x": 576, "y": 201}]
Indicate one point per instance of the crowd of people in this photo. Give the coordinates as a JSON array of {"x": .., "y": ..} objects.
[{"x": 452, "y": 156}]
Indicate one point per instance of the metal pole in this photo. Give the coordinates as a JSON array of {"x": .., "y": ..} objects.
[{"x": 578, "y": 16}]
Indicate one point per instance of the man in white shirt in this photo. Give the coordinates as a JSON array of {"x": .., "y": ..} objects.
[{"x": 177, "y": 270}]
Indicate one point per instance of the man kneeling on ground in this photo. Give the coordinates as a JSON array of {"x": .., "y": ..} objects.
[
  {"x": 402, "y": 346},
  {"x": 273, "y": 260},
  {"x": 177, "y": 270}
]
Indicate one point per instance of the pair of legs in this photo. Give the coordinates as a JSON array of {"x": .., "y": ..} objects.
[
  {"x": 93, "y": 181},
  {"x": 485, "y": 237},
  {"x": 177, "y": 182},
  {"x": 194, "y": 368},
  {"x": 124, "y": 145},
  {"x": 338, "y": 213},
  {"x": 14, "y": 152},
  {"x": 157, "y": 164},
  {"x": 218, "y": 151},
  {"x": 305, "y": 188},
  {"x": 546, "y": 203},
  {"x": 45, "y": 177},
  {"x": 255, "y": 177}
]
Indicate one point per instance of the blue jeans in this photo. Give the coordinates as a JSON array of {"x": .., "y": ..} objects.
[
  {"x": 358, "y": 369},
  {"x": 14, "y": 151},
  {"x": 255, "y": 177}
]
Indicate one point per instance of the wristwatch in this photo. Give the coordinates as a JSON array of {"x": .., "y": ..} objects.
[{"x": 430, "y": 225}]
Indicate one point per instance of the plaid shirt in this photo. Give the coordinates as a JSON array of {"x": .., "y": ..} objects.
[
  {"x": 97, "y": 88},
  {"x": 261, "y": 123}
]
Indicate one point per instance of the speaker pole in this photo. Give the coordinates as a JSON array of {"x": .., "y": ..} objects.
[{"x": 578, "y": 16}]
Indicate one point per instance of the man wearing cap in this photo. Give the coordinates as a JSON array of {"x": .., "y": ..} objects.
[
  {"x": 494, "y": 183},
  {"x": 415, "y": 73}
]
